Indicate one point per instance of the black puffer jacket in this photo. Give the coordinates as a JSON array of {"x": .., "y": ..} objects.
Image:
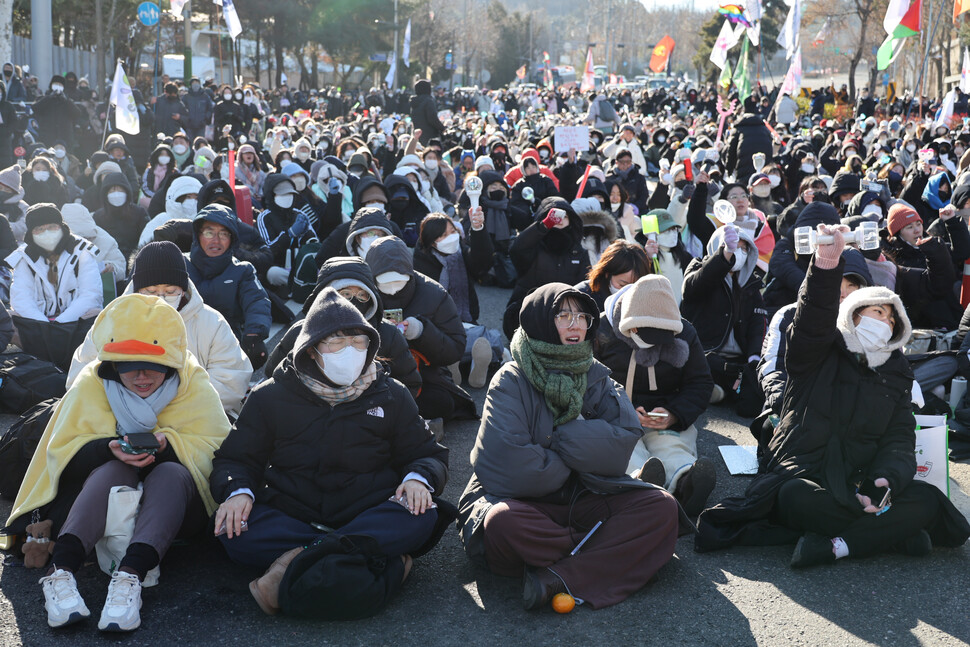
[
  {"x": 341, "y": 241},
  {"x": 424, "y": 114},
  {"x": 407, "y": 214},
  {"x": 750, "y": 136},
  {"x": 323, "y": 464},
  {"x": 924, "y": 281},
  {"x": 394, "y": 351},
  {"x": 684, "y": 391},
  {"x": 841, "y": 422},
  {"x": 542, "y": 255}
]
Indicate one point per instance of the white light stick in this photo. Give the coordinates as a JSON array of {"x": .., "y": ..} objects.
[
  {"x": 473, "y": 189},
  {"x": 725, "y": 213}
]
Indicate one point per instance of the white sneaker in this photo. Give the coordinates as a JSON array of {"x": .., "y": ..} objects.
[
  {"x": 481, "y": 357},
  {"x": 121, "y": 608},
  {"x": 455, "y": 373},
  {"x": 61, "y": 599}
]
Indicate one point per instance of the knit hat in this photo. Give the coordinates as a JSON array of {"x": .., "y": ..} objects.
[
  {"x": 484, "y": 160},
  {"x": 10, "y": 176},
  {"x": 390, "y": 254},
  {"x": 649, "y": 307},
  {"x": 900, "y": 215},
  {"x": 43, "y": 213},
  {"x": 159, "y": 263}
]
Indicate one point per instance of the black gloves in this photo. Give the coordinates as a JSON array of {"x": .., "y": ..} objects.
[{"x": 255, "y": 349}]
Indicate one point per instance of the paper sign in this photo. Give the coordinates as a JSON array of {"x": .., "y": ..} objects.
[
  {"x": 740, "y": 459},
  {"x": 575, "y": 137}
]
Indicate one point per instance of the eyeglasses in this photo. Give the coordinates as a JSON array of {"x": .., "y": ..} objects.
[
  {"x": 338, "y": 343},
  {"x": 209, "y": 234},
  {"x": 349, "y": 294},
  {"x": 570, "y": 319}
]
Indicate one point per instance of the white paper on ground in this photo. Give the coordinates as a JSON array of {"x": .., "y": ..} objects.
[{"x": 740, "y": 459}]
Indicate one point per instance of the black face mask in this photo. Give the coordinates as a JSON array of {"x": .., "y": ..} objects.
[
  {"x": 821, "y": 196},
  {"x": 680, "y": 184},
  {"x": 399, "y": 203},
  {"x": 499, "y": 159},
  {"x": 944, "y": 196},
  {"x": 496, "y": 196}
]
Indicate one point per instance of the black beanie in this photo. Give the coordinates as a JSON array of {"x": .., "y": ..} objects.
[
  {"x": 159, "y": 263},
  {"x": 43, "y": 213},
  {"x": 423, "y": 86}
]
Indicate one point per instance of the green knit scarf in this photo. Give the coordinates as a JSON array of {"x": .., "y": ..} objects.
[{"x": 557, "y": 371}]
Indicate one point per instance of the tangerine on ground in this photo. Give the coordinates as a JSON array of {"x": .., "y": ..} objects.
[{"x": 563, "y": 603}]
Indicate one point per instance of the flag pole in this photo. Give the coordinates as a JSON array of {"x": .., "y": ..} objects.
[
  {"x": 107, "y": 113},
  {"x": 922, "y": 67}
]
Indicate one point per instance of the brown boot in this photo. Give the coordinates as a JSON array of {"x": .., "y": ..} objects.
[{"x": 266, "y": 589}]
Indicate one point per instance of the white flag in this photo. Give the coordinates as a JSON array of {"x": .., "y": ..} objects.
[
  {"x": 753, "y": 8},
  {"x": 945, "y": 113},
  {"x": 725, "y": 40},
  {"x": 231, "y": 18},
  {"x": 126, "y": 112},
  {"x": 389, "y": 79},
  {"x": 754, "y": 34},
  {"x": 177, "y": 6},
  {"x": 788, "y": 36},
  {"x": 793, "y": 80},
  {"x": 406, "y": 53},
  {"x": 965, "y": 72}
]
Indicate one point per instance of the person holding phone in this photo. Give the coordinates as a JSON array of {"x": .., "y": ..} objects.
[
  {"x": 839, "y": 470},
  {"x": 143, "y": 413},
  {"x": 330, "y": 443}
]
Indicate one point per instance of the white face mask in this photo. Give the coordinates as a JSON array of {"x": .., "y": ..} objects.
[
  {"x": 42, "y": 176},
  {"x": 239, "y": 96},
  {"x": 661, "y": 139},
  {"x": 425, "y": 186},
  {"x": 173, "y": 300},
  {"x": 910, "y": 147},
  {"x": 190, "y": 207},
  {"x": 299, "y": 182},
  {"x": 164, "y": 159},
  {"x": 431, "y": 165},
  {"x": 364, "y": 243},
  {"x": 57, "y": 88},
  {"x": 59, "y": 153},
  {"x": 614, "y": 206},
  {"x": 761, "y": 190},
  {"x": 808, "y": 168},
  {"x": 117, "y": 198},
  {"x": 179, "y": 149},
  {"x": 49, "y": 239},
  {"x": 227, "y": 96},
  {"x": 284, "y": 201},
  {"x": 324, "y": 145},
  {"x": 873, "y": 334},
  {"x": 343, "y": 367},
  {"x": 392, "y": 285},
  {"x": 774, "y": 180},
  {"x": 740, "y": 258},
  {"x": 872, "y": 209},
  {"x": 668, "y": 239},
  {"x": 449, "y": 244},
  {"x": 375, "y": 205},
  {"x": 302, "y": 155}
]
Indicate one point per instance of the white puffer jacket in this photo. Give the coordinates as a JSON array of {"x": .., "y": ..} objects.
[
  {"x": 81, "y": 222},
  {"x": 79, "y": 288},
  {"x": 180, "y": 187},
  {"x": 210, "y": 339}
]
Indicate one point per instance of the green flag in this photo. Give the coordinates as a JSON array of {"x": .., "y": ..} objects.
[
  {"x": 741, "y": 80},
  {"x": 725, "y": 79}
]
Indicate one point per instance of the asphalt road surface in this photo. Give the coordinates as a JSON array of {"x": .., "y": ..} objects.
[{"x": 744, "y": 596}]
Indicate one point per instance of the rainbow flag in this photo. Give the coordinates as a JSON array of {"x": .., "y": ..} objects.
[{"x": 736, "y": 14}]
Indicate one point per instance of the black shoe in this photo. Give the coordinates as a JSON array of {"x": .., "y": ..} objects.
[
  {"x": 653, "y": 472},
  {"x": 539, "y": 585},
  {"x": 919, "y": 545},
  {"x": 812, "y": 550},
  {"x": 695, "y": 486}
]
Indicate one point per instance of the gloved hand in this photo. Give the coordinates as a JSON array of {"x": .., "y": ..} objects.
[
  {"x": 827, "y": 256},
  {"x": 686, "y": 193},
  {"x": 277, "y": 275},
  {"x": 552, "y": 219},
  {"x": 255, "y": 349},
  {"x": 731, "y": 239},
  {"x": 334, "y": 185},
  {"x": 414, "y": 328}
]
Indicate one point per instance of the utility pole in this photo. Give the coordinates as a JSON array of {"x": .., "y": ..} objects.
[
  {"x": 187, "y": 27},
  {"x": 99, "y": 36},
  {"x": 41, "y": 43}
]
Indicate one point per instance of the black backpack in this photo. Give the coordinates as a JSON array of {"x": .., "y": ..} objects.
[
  {"x": 26, "y": 380},
  {"x": 606, "y": 111},
  {"x": 340, "y": 577},
  {"x": 18, "y": 444}
]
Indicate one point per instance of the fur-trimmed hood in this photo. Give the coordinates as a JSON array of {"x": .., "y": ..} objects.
[
  {"x": 868, "y": 297},
  {"x": 603, "y": 220}
]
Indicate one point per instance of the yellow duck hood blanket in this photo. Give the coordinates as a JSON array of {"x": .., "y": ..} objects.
[{"x": 132, "y": 328}]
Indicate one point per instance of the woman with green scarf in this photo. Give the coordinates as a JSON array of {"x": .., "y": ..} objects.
[{"x": 550, "y": 467}]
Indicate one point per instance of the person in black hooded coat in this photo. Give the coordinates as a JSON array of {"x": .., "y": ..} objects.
[
  {"x": 750, "y": 136},
  {"x": 368, "y": 191},
  {"x": 786, "y": 269},
  {"x": 542, "y": 187},
  {"x": 846, "y": 433},
  {"x": 547, "y": 250},
  {"x": 405, "y": 208},
  {"x": 250, "y": 246},
  {"x": 424, "y": 114},
  {"x": 345, "y": 273},
  {"x": 125, "y": 221},
  {"x": 319, "y": 448}
]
